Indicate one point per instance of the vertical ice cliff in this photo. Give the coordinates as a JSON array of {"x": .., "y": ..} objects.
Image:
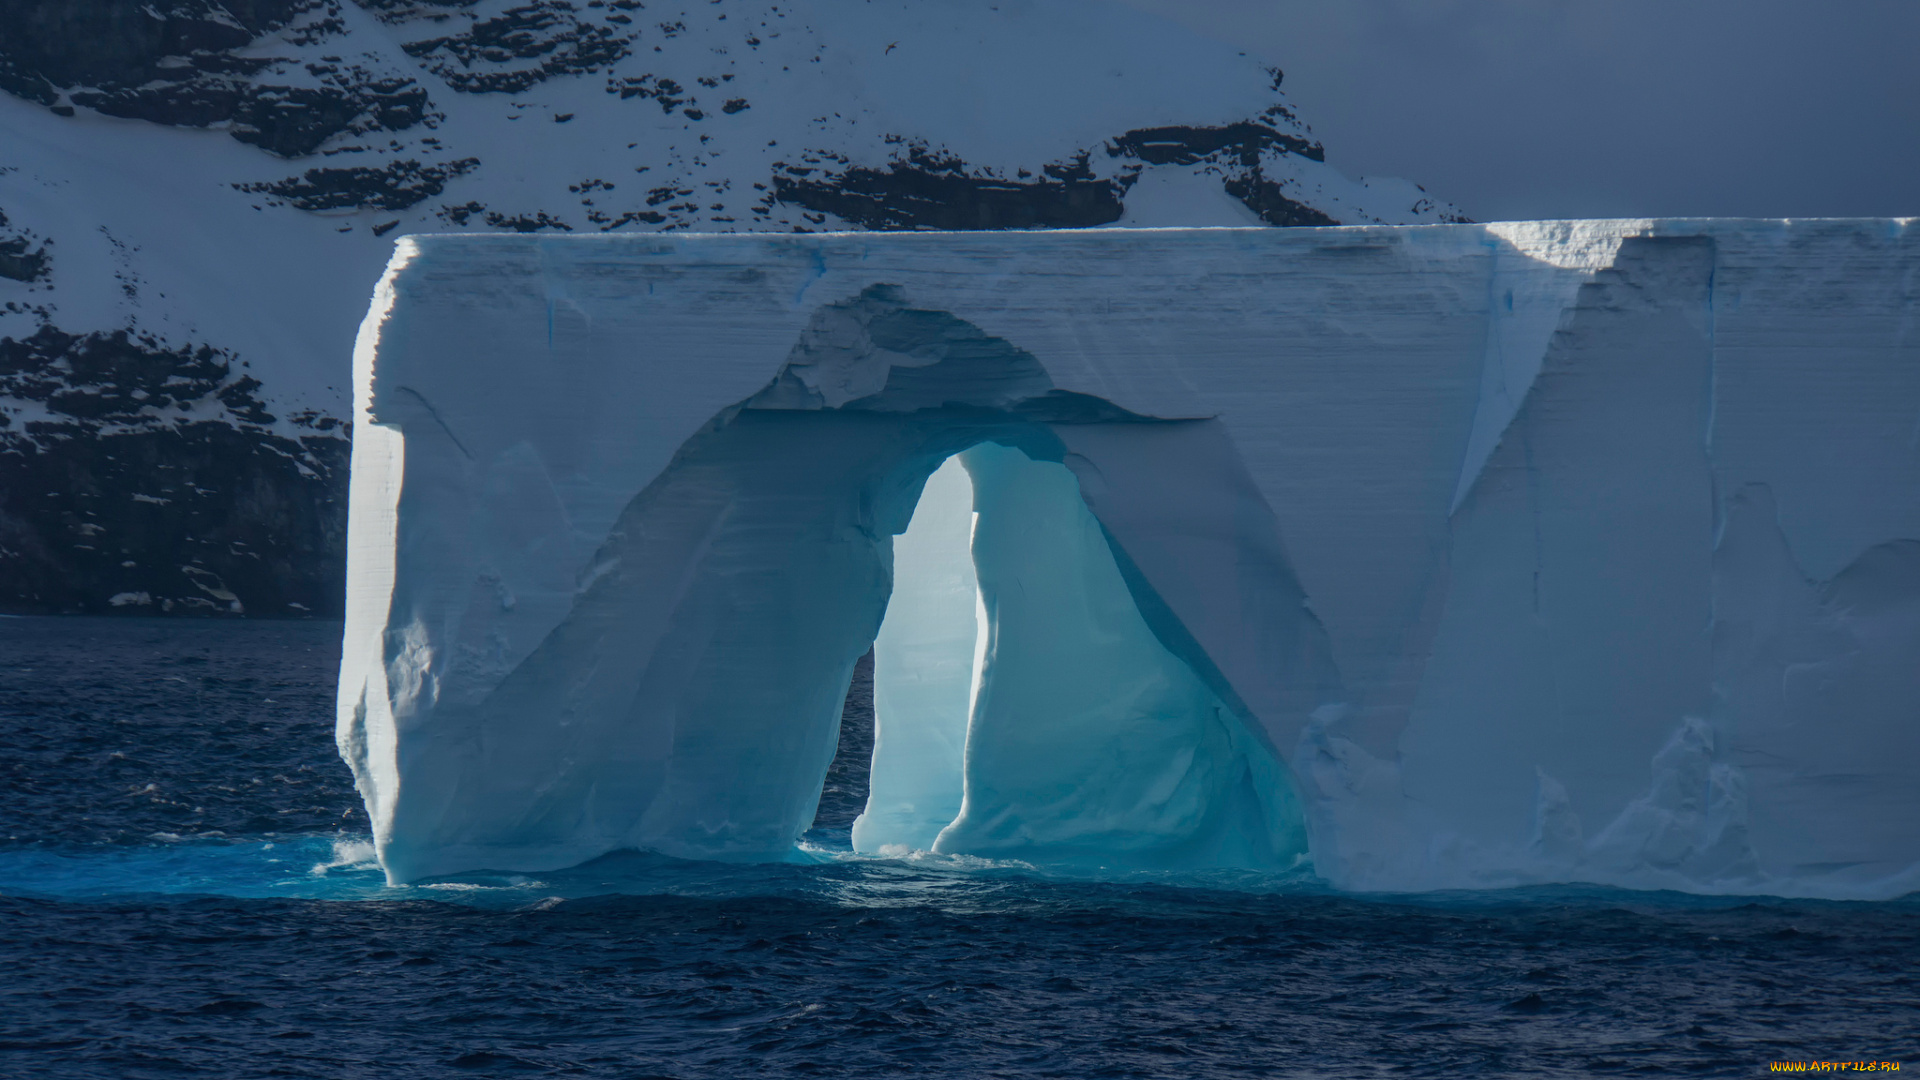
[{"x": 1457, "y": 556}]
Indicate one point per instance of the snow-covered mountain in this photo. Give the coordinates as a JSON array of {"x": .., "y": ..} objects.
[{"x": 196, "y": 197}]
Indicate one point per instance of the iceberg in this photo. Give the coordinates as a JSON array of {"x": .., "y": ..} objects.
[{"x": 1435, "y": 557}]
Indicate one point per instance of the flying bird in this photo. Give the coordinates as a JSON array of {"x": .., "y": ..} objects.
[{"x": 890, "y": 47}]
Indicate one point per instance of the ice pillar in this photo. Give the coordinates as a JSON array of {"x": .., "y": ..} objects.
[{"x": 1090, "y": 743}]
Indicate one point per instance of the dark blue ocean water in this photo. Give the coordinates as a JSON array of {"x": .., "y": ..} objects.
[{"x": 185, "y": 890}]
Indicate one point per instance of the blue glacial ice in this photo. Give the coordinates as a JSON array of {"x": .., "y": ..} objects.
[
  {"x": 1025, "y": 710},
  {"x": 1445, "y": 556},
  {"x": 1090, "y": 744}
]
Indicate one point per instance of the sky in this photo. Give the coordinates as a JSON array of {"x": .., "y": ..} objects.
[{"x": 1604, "y": 108}]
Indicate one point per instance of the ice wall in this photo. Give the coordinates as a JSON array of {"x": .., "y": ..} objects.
[{"x": 1576, "y": 551}]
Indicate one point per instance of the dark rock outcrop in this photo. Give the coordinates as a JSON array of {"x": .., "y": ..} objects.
[
  {"x": 520, "y": 47},
  {"x": 151, "y": 483},
  {"x": 396, "y": 187},
  {"x": 935, "y": 191},
  {"x": 52, "y": 45},
  {"x": 1242, "y": 142},
  {"x": 23, "y": 255},
  {"x": 1269, "y": 200},
  {"x": 294, "y": 121},
  {"x": 1240, "y": 148},
  {"x": 175, "y": 64}
]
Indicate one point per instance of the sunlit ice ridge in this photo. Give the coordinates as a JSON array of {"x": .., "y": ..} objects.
[{"x": 1430, "y": 558}]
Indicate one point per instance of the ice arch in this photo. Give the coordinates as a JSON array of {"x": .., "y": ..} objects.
[
  {"x": 1028, "y": 710},
  {"x": 688, "y": 700}
]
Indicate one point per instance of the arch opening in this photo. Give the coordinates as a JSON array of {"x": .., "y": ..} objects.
[
  {"x": 1146, "y": 645},
  {"x": 1024, "y": 707}
]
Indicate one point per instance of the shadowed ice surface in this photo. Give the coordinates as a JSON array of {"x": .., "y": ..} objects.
[{"x": 186, "y": 889}]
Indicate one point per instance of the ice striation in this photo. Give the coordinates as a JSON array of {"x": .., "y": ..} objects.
[{"x": 1436, "y": 557}]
